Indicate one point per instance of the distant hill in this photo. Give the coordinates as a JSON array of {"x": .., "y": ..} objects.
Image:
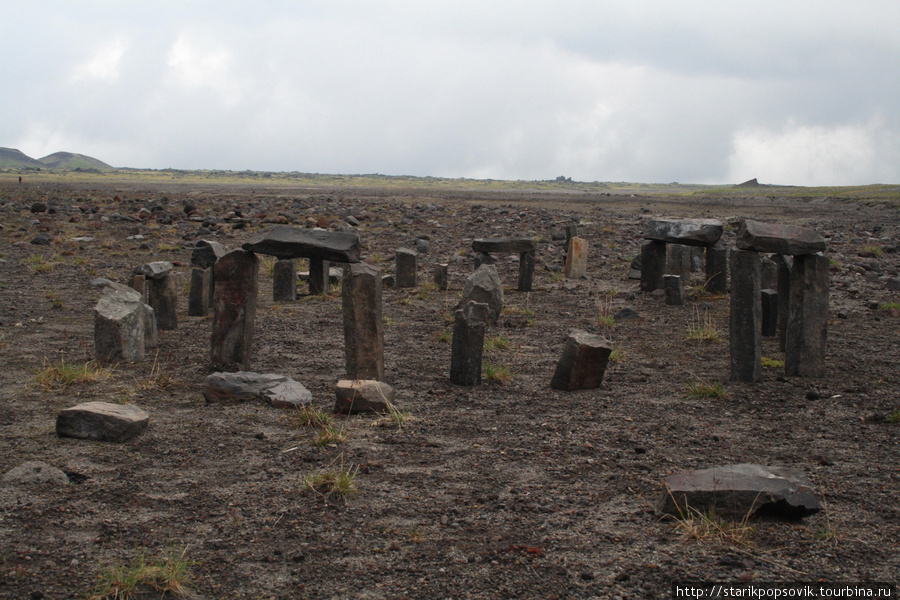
[
  {"x": 14, "y": 159},
  {"x": 68, "y": 161}
]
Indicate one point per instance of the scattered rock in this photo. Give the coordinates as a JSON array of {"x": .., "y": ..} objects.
[
  {"x": 102, "y": 421},
  {"x": 35, "y": 471},
  {"x": 279, "y": 391},
  {"x": 484, "y": 286},
  {"x": 362, "y": 395},
  {"x": 155, "y": 270}
]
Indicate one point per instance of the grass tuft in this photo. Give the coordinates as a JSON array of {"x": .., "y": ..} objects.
[
  {"x": 309, "y": 415},
  {"x": 496, "y": 373},
  {"x": 703, "y": 389},
  {"x": 329, "y": 435},
  {"x": 64, "y": 374},
  {"x": 498, "y": 342},
  {"x": 703, "y": 328},
  {"x": 772, "y": 363},
  {"x": 332, "y": 483},
  {"x": 705, "y": 526},
  {"x": 171, "y": 574}
]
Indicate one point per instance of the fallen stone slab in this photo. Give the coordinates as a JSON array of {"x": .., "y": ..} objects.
[
  {"x": 283, "y": 242},
  {"x": 279, "y": 391},
  {"x": 778, "y": 239},
  {"x": 739, "y": 491},
  {"x": 155, "y": 270},
  {"x": 362, "y": 395},
  {"x": 35, "y": 471},
  {"x": 102, "y": 421},
  {"x": 515, "y": 245},
  {"x": 690, "y": 232},
  {"x": 583, "y": 362}
]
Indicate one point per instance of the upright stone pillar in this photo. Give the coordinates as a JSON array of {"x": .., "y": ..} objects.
[
  {"x": 234, "y": 311},
  {"x": 441, "y": 276},
  {"x": 467, "y": 352},
  {"x": 807, "y": 325},
  {"x": 678, "y": 259},
  {"x": 769, "y": 303},
  {"x": 571, "y": 231},
  {"x": 576, "y": 258},
  {"x": 583, "y": 362},
  {"x": 407, "y": 268},
  {"x": 363, "y": 325},
  {"x": 162, "y": 297},
  {"x": 653, "y": 265},
  {"x": 526, "y": 271},
  {"x": 784, "y": 297},
  {"x": 318, "y": 276},
  {"x": 204, "y": 256},
  {"x": 674, "y": 287},
  {"x": 139, "y": 284},
  {"x": 745, "y": 329},
  {"x": 198, "y": 298},
  {"x": 717, "y": 268},
  {"x": 284, "y": 281},
  {"x": 119, "y": 325}
]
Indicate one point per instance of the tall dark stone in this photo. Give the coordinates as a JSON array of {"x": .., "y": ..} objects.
[
  {"x": 234, "y": 311},
  {"x": 363, "y": 325},
  {"x": 769, "y": 303},
  {"x": 467, "y": 350},
  {"x": 583, "y": 362},
  {"x": 198, "y": 297},
  {"x": 784, "y": 297},
  {"x": 717, "y": 268},
  {"x": 407, "y": 268},
  {"x": 674, "y": 287},
  {"x": 745, "y": 330},
  {"x": 284, "y": 280},
  {"x": 318, "y": 276},
  {"x": 526, "y": 271},
  {"x": 653, "y": 265},
  {"x": 162, "y": 296},
  {"x": 678, "y": 259},
  {"x": 441, "y": 276},
  {"x": 807, "y": 327}
]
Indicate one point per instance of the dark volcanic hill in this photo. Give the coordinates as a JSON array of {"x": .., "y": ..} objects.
[
  {"x": 11, "y": 158},
  {"x": 68, "y": 161}
]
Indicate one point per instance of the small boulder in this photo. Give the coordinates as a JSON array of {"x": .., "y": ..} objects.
[
  {"x": 35, "y": 471},
  {"x": 362, "y": 395},
  {"x": 102, "y": 421},
  {"x": 154, "y": 270},
  {"x": 279, "y": 391},
  {"x": 484, "y": 286}
]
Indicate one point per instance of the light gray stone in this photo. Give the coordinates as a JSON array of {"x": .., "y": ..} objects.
[
  {"x": 279, "y": 391},
  {"x": 484, "y": 286},
  {"x": 778, "y": 239},
  {"x": 691, "y": 232},
  {"x": 155, "y": 270},
  {"x": 119, "y": 325},
  {"x": 35, "y": 471},
  {"x": 354, "y": 396},
  {"x": 102, "y": 421}
]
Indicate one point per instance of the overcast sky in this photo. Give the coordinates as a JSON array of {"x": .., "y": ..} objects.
[{"x": 719, "y": 91}]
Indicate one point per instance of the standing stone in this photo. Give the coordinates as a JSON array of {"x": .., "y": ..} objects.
[
  {"x": 807, "y": 326},
  {"x": 467, "y": 350},
  {"x": 717, "y": 268},
  {"x": 678, "y": 259},
  {"x": 746, "y": 315},
  {"x": 363, "y": 325},
  {"x": 441, "y": 276},
  {"x": 119, "y": 325},
  {"x": 653, "y": 265},
  {"x": 571, "y": 231},
  {"x": 102, "y": 421},
  {"x": 234, "y": 311},
  {"x": 198, "y": 298},
  {"x": 319, "y": 276},
  {"x": 784, "y": 297},
  {"x": 526, "y": 271},
  {"x": 163, "y": 299},
  {"x": 674, "y": 287},
  {"x": 576, "y": 258},
  {"x": 284, "y": 280},
  {"x": 583, "y": 362},
  {"x": 139, "y": 284},
  {"x": 204, "y": 256},
  {"x": 698, "y": 258},
  {"x": 769, "y": 302},
  {"x": 407, "y": 268},
  {"x": 768, "y": 274},
  {"x": 484, "y": 286}
]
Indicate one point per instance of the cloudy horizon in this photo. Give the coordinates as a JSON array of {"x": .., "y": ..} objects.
[{"x": 789, "y": 92}]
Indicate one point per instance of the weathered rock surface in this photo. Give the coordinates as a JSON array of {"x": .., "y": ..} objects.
[
  {"x": 35, "y": 471},
  {"x": 102, "y": 421},
  {"x": 484, "y": 286},
  {"x": 119, "y": 325},
  {"x": 515, "y": 245},
  {"x": 206, "y": 253},
  {"x": 690, "y": 232},
  {"x": 583, "y": 362},
  {"x": 279, "y": 391},
  {"x": 362, "y": 395},
  {"x": 739, "y": 491},
  {"x": 283, "y": 242},
  {"x": 778, "y": 239},
  {"x": 155, "y": 270}
]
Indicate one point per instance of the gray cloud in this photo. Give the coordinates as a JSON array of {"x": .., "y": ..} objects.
[{"x": 790, "y": 91}]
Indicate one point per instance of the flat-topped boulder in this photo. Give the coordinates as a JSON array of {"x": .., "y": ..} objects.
[
  {"x": 779, "y": 239},
  {"x": 515, "y": 245},
  {"x": 280, "y": 391},
  {"x": 102, "y": 421},
  {"x": 739, "y": 491},
  {"x": 283, "y": 242},
  {"x": 155, "y": 270},
  {"x": 360, "y": 395},
  {"x": 690, "y": 232}
]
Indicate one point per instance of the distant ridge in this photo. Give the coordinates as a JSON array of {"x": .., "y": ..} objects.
[
  {"x": 68, "y": 161},
  {"x": 10, "y": 158}
]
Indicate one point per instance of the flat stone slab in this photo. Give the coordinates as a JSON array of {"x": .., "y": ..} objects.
[
  {"x": 516, "y": 245},
  {"x": 155, "y": 270},
  {"x": 690, "y": 232},
  {"x": 283, "y": 241},
  {"x": 35, "y": 471},
  {"x": 102, "y": 421},
  {"x": 362, "y": 395},
  {"x": 779, "y": 239},
  {"x": 279, "y": 391},
  {"x": 739, "y": 491}
]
